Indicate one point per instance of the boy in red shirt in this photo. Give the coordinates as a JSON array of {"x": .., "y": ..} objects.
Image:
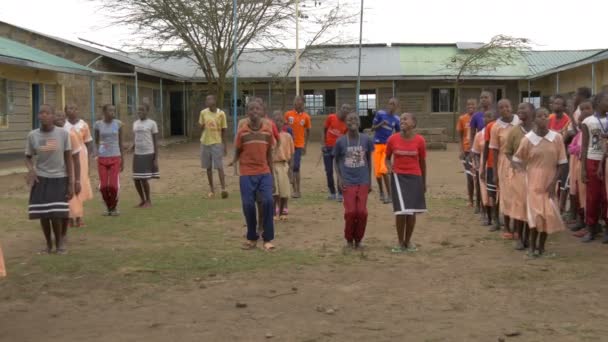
[
  {"x": 334, "y": 128},
  {"x": 406, "y": 160},
  {"x": 253, "y": 144},
  {"x": 299, "y": 121}
]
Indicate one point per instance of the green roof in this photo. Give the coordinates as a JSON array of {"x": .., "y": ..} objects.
[
  {"x": 541, "y": 61},
  {"x": 15, "y": 53}
]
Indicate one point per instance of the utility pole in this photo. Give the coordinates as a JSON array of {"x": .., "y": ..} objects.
[
  {"x": 234, "y": 70},
  {"x": 297, "y": 47},
  {"x": 359, "y": 68}
]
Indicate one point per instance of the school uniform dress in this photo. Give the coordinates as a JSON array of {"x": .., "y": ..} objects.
[
  {"x": 282, "y": 153},
  {"x": 498, "y": 139},
  {"x": 381, "y": 136},
  {"x": 299, "y": 123},
  {"x": 81, "y": 128},
  {"x": 478, "y": 146},
  {"x": 407, "y": 184},
  {"x": 542, "y": 157},
  {"x": 2, "y": 265},
  {"x": 335, "y": 128},
  {"x": 109, "y": 159},
  {"x": 353, "y": 160},
  {"x": 517, "y": 182},
  {"x": 144, "y": 154},
  {"x": 48, "y": 196},
  {"x": 256, "y": 178},
  {"x": 492, "y": 189},
  {"x": 595, "y": 207}
]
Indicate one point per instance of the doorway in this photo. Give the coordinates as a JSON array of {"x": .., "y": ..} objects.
[
  {"x": 177, "y": 112},
  {"x": 36, "y": 103}
]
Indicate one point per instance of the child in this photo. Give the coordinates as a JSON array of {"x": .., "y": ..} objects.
[
  {"x": 406, "y": 160},
  {"x": 385, "y": 123},
  {"x": 577, "y": 187},
  {"x": 594, "y": 130},
  {"x": 253, "y": 145},
  {"x": 354, "y": 170},
  {"x": 76, "y": 148},
  {"x": 517, "y": 186},
  {"x": 334, "y": 128},
  {"x": 2, "y": 266},
  {"x": 85, "y": 143},
  {"x": 145, "y": 157},
  {"x": 280, "y": 163},
  {"x": 479, "y": 159},
  {"x": 543, "y": 156},
  {"x": 50, "y": 177},
  {"x": 559, "y": 122},
  {"x": 487, "y": 176},
  {"x": 300, "y": 123},
  {"x": 502, "y": 165},
  {"x": 463, "y": 127},
  {"x": 108, "y": 138},
  {"x": 213, "y": 143}
]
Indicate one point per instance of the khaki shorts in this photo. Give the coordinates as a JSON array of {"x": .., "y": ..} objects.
[{"x": 282, "y": 187}]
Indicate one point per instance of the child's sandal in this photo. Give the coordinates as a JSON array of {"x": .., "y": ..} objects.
[
  {"x": 249, "y": 245},
  {"x": 268, "y": 247}
]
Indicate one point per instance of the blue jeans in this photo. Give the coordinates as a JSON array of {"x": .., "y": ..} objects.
[
  {"x": 250, "y": 186},
  {"x": 297, "y": 159},
  {"x": 328, "y": 161}
]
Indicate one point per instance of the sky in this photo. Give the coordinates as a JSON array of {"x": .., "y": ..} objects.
[{"x": 550, "y": 24}]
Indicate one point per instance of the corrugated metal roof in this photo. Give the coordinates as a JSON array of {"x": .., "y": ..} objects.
[
  {"x": 22, "y": 54},
  {"x": 541, "y": 61}
]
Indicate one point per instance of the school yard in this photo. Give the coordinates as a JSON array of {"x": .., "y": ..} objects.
[{"x": 175, "y": 272}]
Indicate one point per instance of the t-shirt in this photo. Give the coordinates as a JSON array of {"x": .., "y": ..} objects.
[
  {"x": 265, "y": 121},
  {"x": 335, "y": 129},
  {"x": 477, "y": 121},
  {"x": 285, "y": 148},
  {"x": 383, "y": 132},
  {"x": 559, "y": 125},
  {"x": 464, "y": 127},
  {"x": 486, "y": 139},
  {"x": 407, "y": 153},
  {"x": 299, "y": 123},
  {"x": 108, "y": 138},
  {"x": 144, "y": 131},
  {"x": 214, "y": 123},
  {"x": 81, "y": 129},
  {"x": 254, "y": 146},
  {"x": 49, "y": 147},
  {"x": 596, "y": 126},
  {"x": 352, "y": 159}
]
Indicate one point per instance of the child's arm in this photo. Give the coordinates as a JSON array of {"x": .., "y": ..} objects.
[
  {"x": 584, "y": 147},
  {"x": 368, "y": 155},
  {"x": 562, "y": 170},
  {"x": 337, "y": 161},
  {"x": 224, "y": 142},
  {"x": 67, "y": 159},
  {"x": 155, "y": 144},
  {"x": 423, "y": 169},
  {"x": 120, "y": 148},
  {"x": 495, "y": 165},
  {"x": 486, "y": 150}
]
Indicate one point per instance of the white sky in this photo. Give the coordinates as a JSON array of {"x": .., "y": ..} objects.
[{"x": 551, "y": 24}]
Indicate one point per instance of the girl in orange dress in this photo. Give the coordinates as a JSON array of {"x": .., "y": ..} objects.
[
  {"x": 542, "y": 154},
  {"x": 519, "y": 210},
  {"x": 479, "y": 159},
  {"x": 2, "y": 267},
  {"x": 85, "y": 144},
  {"x": 502, "y": 165}
]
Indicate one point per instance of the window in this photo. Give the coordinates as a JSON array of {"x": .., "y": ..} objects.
[
  {"x": 131, "y": 100},
  {"x": 156, "y": 100},
  {"x": 4, "y": 101},
  {"x": 314, "y": 103},
  {"x": 367, "y": 101},
  {"x": 534, "y": 98},
  {"x": 442, "y": 100}
]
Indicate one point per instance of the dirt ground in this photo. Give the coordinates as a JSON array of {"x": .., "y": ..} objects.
[{"x": 175, "y": 272}]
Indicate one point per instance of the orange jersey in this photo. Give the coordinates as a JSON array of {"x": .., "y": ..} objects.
[
  {"x": 486, "y": 138},
  {"x": 299, "y": 123},
  {"x": 464, "y": 127},
  {"x": 559, "y": 125}
]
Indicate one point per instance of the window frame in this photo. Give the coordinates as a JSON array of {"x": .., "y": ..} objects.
[
  {"x": 318, "y": 102},
  {"x": 450, "y": 102},
  {"x": 363, "y": 110}
]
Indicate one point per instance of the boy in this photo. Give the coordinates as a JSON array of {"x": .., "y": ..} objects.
[
  {"x": 280, "y": 163},
  {"x": 253, "y": 145},
  {"x": 384, "y": 125},
  {"x": 463, "y": 128},
  {"x": 299, "y": 121},
  {"x": 213, "y": 142},
  {"x": 334, "y": 128},
  {"x": 559, "y": 122},
  {"x": 353, "y": 168},
  {"x": 487, "y": 176}
]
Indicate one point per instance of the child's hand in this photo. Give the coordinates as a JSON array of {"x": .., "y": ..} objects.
[
  {"x": 551, "y": 189},
  {"x": 31, "y": 178},
  {"x": 231, "y": 164}
]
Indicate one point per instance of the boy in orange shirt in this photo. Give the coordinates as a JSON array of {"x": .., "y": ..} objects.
[
  {"x": 463, "y": 127},
  {"x": 299, "y": 121},
  {"x": 280, "y": 162}
]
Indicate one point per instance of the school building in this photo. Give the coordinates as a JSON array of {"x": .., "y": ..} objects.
[{"x": 417, "y": 74}]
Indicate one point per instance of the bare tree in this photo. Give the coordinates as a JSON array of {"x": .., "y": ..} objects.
[{"x": 500, "y": 51}]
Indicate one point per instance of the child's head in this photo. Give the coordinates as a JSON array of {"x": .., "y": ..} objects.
[
  {"x": 601, "y": 102},
  {"x": 108, "y": 112},
  {"x": 408, "y": 122},
  {"x": 471, "y": 105},
  {"x": 210, "y": 101},
  {"x": 59, "y": 120},
  {"x": 526, "y": 111},
  {"x": 488, "y": 117},
  {"x": 46, "y": 115},
  {"x": 345, "y": 109},
  {"x": 278, "y": 118},
  {"x": 542, "y": 118},
  {"x": 586, "y": 107},
  {"x": 504, "y": 108},
  {"x": 393, "y": 105},
  {"x": 485, "y": 99},
  {"x": 142, "y": 111},
  {"x": 254, "y": 112},
  {"x": 71, "y": 111},
  {"x": 298, "y": 103},
  {"x": 353, "y": 121},
  {"x": 582, "y": 93},
  {"x": 558, "y": 104}
]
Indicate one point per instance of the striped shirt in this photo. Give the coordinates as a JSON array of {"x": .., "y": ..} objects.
[{"x": 254, "y": 146}]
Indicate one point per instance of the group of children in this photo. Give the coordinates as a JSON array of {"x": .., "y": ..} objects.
[{"x": 517, "y": 164}]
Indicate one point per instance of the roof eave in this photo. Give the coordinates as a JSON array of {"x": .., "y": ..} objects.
[
  {"x": 589, "y": 60},
  {"x": 42, "y": 66}
]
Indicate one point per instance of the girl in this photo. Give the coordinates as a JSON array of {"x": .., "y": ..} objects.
[
  {"x": 406, "y": 160},
  {"x": 519, "y": 212},
  {"x": 85, "y": 144},
  {"x": 594, "y": 130},
  {"x": 578, "y": 188},
  {"x": 50, "y": 177},
  {"x": 502, "y": 167},
  {"x": 479, "y": 161},
  {"x": 543, "y": 157},
  {"x": 108, "y": 138},
  {"x": 145, "y": 158},
  {"x": 2, "y": 267}
]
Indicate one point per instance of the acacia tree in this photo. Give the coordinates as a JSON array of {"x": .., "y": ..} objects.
[{"x": 500, "y": 51}]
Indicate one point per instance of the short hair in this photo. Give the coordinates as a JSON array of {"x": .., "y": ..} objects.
[
  {"x": 491, "y": 94},
  {"x": 277, "y": 112},
  {"x": 413, "y": 116},
  {"x": 47, "y": 108},
  {"x": 348, "y": 106},
  {"x": 65, "y": 108},
  {"x": 298, "y": 97},
  {"x": 472, "y": 99},
  {"x": 504, "y": 99},
  {"x": 211, "y": 95},
  {"x": 394, "y": 98},
  {"x": 558, "y": 97},
  {"x": 145, "y": 106},
  {"x": 530, "y": 106},
  {"x": 106, "y": 107},
  {"x": 252, "y": 102},
  {"x": 599, "y": 98},
  {"x": 542, "y": 110},
  {"x": 584, "y": 92}
]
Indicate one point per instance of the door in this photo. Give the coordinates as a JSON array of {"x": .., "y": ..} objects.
[
  {"x": 176, "y": 100},
  {"x": 330, "y": 101},
  {"x": 36, "y": 103}
]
